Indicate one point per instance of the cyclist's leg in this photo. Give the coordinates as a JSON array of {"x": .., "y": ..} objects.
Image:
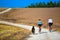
[
  {"x": 39, "y": 29},
  {"x": 51, "y": 25},
  {"x": 50, "y": 28}
]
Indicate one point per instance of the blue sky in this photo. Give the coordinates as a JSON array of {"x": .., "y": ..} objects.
[{"x": 19, "y": 3}]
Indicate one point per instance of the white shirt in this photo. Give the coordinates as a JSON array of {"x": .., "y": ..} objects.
[{"x": 50, "y": 21}]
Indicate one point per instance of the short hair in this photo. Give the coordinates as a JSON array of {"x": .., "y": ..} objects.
[{"x": 39, "y": 19}]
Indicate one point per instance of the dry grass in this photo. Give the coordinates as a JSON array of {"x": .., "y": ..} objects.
[
  {"x": 2, "y": 9},
  {"x": 30, "y": 16},
  {"x": 56, "y": 27},
  {"x": 12, "y": 33}
]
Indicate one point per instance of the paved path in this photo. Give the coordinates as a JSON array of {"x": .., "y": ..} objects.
[{"x": 44, "y": 35}]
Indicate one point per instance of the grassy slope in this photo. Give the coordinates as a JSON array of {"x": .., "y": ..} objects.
[
  {"x": 30, "y": 16},
  {"x": 2, "y": 9},
  {"x": 12, "y": 33}
]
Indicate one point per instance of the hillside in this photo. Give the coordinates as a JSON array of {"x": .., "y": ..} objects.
[{"x": 31, "y": 15}]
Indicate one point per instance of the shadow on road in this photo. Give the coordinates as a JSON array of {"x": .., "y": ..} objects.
[{"x": 43, "y": 32}]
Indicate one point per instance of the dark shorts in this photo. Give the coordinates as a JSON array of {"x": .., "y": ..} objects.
[
  {"x": 39, "y": 25},
  {"x": 50, "y": 24}
]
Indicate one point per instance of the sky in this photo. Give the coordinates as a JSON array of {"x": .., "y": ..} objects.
[{"x": 19, "y": 3}]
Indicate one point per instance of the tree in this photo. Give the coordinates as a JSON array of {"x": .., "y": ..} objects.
[
  {"x": 50, "y": 4},
  {"x": 43, "y": 5},
  {"x": 58, "y": 4},
  {"x": 55, "y": 4}
]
